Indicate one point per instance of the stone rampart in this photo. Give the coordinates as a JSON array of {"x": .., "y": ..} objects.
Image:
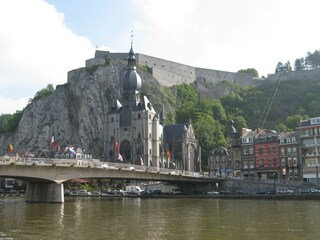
[
  {"x": 171, "y": 73},
  {"x": 305, "y": 75}
]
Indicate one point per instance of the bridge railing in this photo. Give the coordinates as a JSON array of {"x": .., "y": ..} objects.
[{"x": 95, "y": 163}]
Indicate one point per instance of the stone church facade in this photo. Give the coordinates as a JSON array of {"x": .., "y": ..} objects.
[{"x": 136, "y": 133}]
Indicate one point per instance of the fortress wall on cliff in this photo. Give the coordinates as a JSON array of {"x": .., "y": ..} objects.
[
  {"x": 171, "y": 73},
  {"x": 305, "y": 75},
  {"x": 167, "y": 72}
]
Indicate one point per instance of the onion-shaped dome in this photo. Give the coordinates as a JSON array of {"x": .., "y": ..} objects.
[{"x": 131, "y": 80}]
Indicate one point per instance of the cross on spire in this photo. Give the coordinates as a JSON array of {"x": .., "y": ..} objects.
[{"x": 131, "y": 37}]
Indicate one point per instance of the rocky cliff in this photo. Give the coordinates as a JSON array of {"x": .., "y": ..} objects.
[{"x": 74, "y": 113}]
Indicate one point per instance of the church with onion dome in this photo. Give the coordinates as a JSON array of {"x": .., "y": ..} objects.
[{"x": 137, "y": 134}]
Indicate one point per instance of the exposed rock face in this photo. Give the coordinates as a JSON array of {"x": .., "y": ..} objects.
[{"x": 74, "y": 113}]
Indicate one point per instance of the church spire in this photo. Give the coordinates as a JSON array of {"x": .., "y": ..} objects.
[
  {"x": 131, "y": 83},
  {"x": 132, "y": 58}
]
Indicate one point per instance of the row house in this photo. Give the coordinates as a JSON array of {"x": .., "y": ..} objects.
[
  {"x": 226, "y": 161},
  {"x": 248, "y": 157},
  {"x": 289, "y": 144},
  {"x": 266, "y": 152},
  {"x": 309, "y": 131}
]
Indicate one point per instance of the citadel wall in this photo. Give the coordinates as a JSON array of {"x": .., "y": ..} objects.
[
  {"x": 171, "y": 73},
  {"x": 305, "y": 75}
]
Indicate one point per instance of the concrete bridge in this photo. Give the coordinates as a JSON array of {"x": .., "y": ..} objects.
[{"x": 45, "y": 177}]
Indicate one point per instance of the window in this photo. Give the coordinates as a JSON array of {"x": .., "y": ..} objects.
[
  {"x": 250, "y": 140},
  {"x": 139, "y": 115},
  {"x": 288, "y": 140},
  {"x": 293, "y": 140},
  {"x": 260, "y": 150},
  {"x": 294, "y": 151},
  {"x": 269, "y": 149},
  {"x": 111, "y": 138},
  {"x": 275, "y": 162},
  {"x": 295, "y": 162},
  {"x": 283, "y": 161},
  {"x": 269, "y": 162},
  {"x": 245, "y": 151},
  {"x": 274, "y": 149},
  {"x": 251, "y": 150},
  {"x": 282, "y": 152},
  {"x": 112, "y": 119},
  {"x": 281, "y": 141},
  {"x": 244, "y": 140},
  {"x": 289, "y": 151},
  {"x": 261, "y": 162}
]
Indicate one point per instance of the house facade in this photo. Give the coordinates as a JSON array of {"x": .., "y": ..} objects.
[
  {"x": 266, "y": 151},
  {"x": 309, "y": 131},
  {"x": 289, "y": 144}
]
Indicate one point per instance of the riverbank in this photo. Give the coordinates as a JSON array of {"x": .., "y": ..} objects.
[{"x": 253, "y": 197}]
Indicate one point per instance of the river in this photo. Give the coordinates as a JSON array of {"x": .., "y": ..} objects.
[{"x": 83, "y": 218}]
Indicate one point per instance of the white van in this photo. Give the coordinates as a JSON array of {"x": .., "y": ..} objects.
[
  {"x": 284, "y": 191},
  {"x": 133, "y": 190}
]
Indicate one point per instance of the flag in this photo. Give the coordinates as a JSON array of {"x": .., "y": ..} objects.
[
  {"x": 117, "y": 148},
  {"x": 52, "y": 141},
  {"x": 10, "y": 148},
  {"x": 168, "y": 154},
  {"x": 120, "y": 157},
  {"x": 72, "y": 150},
  {"x": 141, "y": 161}
]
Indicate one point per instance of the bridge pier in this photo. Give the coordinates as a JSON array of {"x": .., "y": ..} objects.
[{"x": 45, "y": 193}]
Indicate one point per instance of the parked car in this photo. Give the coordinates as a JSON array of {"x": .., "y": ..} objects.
[
  {"x": 264, "y": 191},
  {"x": 225, "y": 192},
  {"x": 67, "y": 192},
  {"x": 308, "y": 191},
  {"x": 146, "y": 192},
  {"x": 284, "y": 191},
  {"x": 213, "y": 193}
]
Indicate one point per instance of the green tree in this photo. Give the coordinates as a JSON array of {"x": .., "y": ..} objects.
[
  {"x": 219, "y": 112},
  {"x": 253, "y": 71},
  {"x": 9, "y": 122},
  {"x": 293, "y": 121},
  {"x": 299, "y": 64},
  {"x": 313, "y": 59},
  {"x": 281, "y": 127},
  {"x": 43, "y": 92},
  {"x": 210, "y": 134}
]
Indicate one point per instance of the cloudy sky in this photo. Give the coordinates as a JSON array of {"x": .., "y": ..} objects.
[{"x": 41, "y": 40}]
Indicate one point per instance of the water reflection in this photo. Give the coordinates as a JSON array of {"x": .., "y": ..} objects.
[{"x": 135, "y": 218}]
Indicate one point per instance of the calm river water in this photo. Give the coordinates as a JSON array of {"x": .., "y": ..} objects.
[{"x": 135, "y": 218}]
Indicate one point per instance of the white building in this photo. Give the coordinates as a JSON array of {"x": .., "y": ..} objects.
[{"x": 310, "y": 149}]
